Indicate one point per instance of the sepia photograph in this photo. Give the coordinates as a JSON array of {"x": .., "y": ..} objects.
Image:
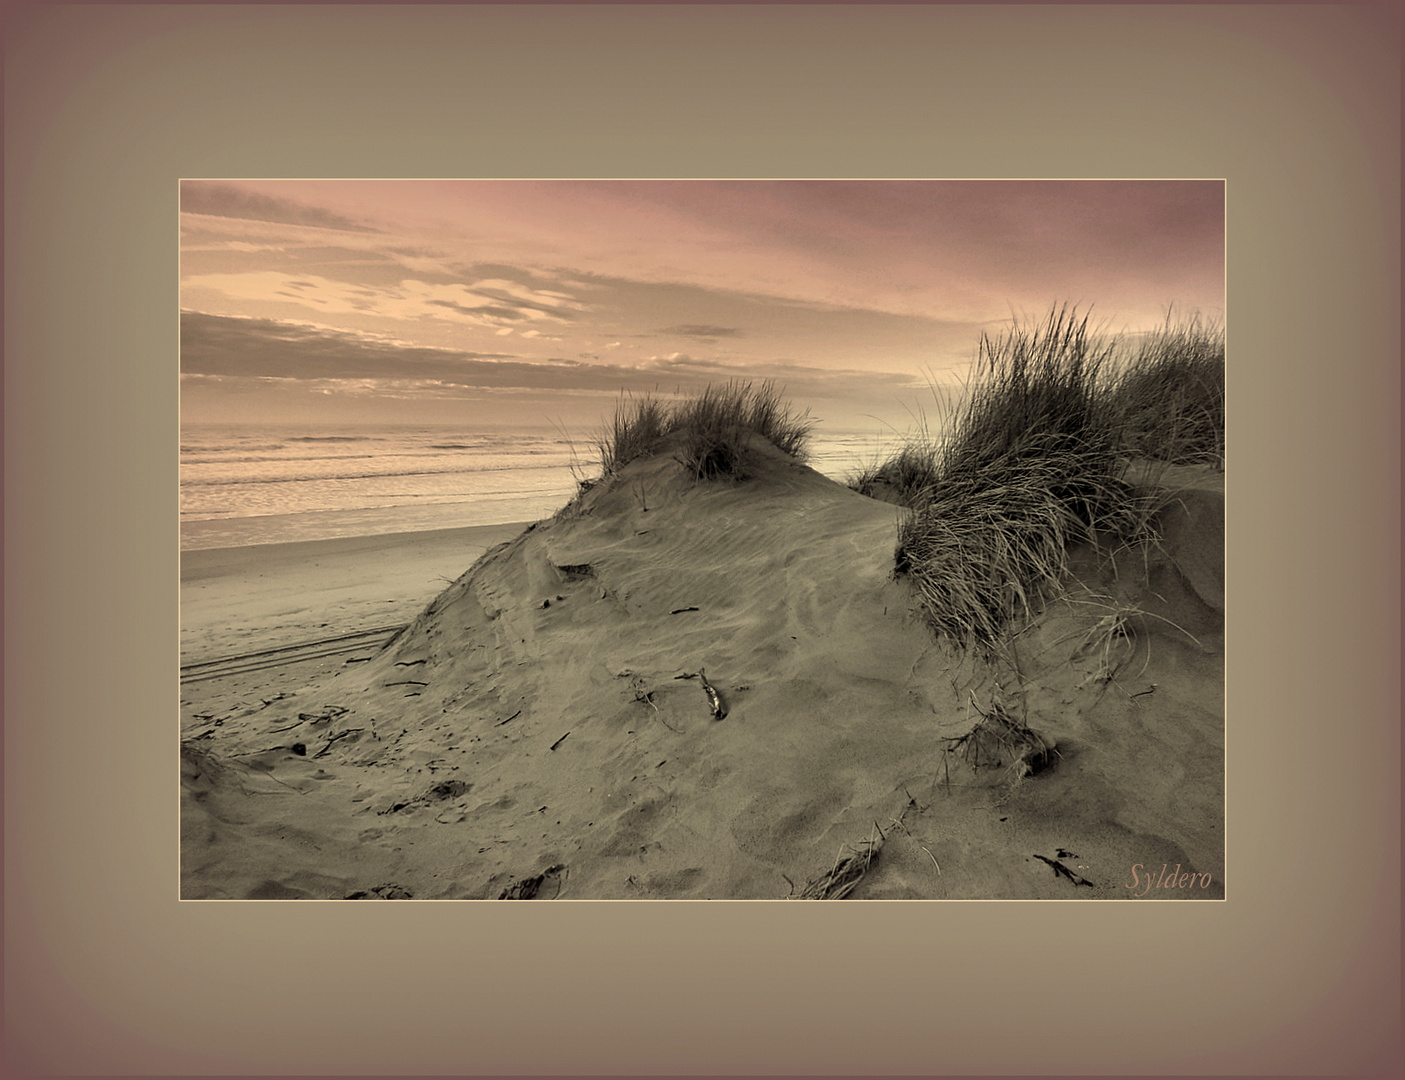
[
  {"x": 702, "y": 539},
  {"x": 731, "y": 454}
]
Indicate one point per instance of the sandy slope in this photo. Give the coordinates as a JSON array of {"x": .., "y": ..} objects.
[{"x": 535, "y": 721}]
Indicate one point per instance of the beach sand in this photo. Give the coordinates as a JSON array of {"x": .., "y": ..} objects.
[
  {"x": 542, "y": 729},
  {"x": 237, "y": 600}
]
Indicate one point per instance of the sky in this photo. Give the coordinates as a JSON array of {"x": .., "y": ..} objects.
[{"x": 507, "y": 303}]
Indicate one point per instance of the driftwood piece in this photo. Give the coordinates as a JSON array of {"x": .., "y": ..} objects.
[{"x": 714, "y": 699}]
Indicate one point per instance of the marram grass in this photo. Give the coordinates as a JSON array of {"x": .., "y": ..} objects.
[
  {"x": 903, "y": 477},
  {"x": 1035, "y": 459},
  {"x": 1168, "y": 403},
  {"x": 711, "y": 428}
]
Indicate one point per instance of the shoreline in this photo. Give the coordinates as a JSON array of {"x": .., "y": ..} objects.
[{"x": 236, "y": 600}]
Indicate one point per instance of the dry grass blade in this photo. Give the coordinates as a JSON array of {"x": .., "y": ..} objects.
[{"x": 846, "y": 873}]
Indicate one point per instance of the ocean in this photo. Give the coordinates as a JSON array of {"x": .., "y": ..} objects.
[{"x": 262, "y": 485}]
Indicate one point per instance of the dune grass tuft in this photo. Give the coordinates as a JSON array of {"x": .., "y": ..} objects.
[
  {"x": 901, "y": 478},
  {"x": 1035, "y": 459},
  {"x": 1169, "y": 401},
  {"x": 1034, "y": 391},
  {"x": 636, "y": 429},
  {"x": 712, "y": 428}
]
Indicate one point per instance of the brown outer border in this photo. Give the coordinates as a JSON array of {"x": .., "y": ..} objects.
[{"x": 1297, "y": 106}]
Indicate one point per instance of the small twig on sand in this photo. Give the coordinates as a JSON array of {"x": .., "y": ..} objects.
[
  {"x": 334, "y": 738},
  {"x": 252, "y": 753},
  {"x": 329, "y": 712},
  {"x": 514, "y": 716},
  {"x": 1060, "y": 870},
  {"x": 288, "y": 786},
  {"x": 558, "y": 742}
]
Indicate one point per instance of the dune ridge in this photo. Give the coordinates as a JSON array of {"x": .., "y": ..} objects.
[{"x": 542, "y": 729}]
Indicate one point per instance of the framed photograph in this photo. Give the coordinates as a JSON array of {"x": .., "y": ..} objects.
[
  {"x": 121, "y": 118},
  {"x": 702, "y": 539}
]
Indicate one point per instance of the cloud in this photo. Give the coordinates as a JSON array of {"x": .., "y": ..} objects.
[
  {"x": 493, "y": 302},
  {"x": 546, "y": 302},
  {"x": 424, "y": 262},
  {"x": 230, "y": 346},
  {"x": 250, "y": 348},
  {"x": 244, "y": 246},
  {"x": 702, "y": 331},
  {"x": 225, "y": 200},
  {"x": 484, "y": 313},
  {"x": 792, "y": 376}
]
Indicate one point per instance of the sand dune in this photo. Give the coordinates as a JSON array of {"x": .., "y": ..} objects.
[{"x": 542, "y": 728}]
